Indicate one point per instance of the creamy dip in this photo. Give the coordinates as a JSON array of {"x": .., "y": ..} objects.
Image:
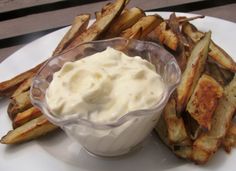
[{"x": 105, "y": 86}]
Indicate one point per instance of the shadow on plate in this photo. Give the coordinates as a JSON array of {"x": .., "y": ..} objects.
[{"x": 153, "y": 156}]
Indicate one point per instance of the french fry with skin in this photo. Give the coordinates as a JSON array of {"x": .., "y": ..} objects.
[
  {"x": 79, "y": 25},
  {"x": 230, "y": 138},
  {"x": 9, "y": 86},
  {"x": 208, "y": 143},
  {"x": 144, "y": 25},
  {"x": 215, "y": 52},
  {"x": 175, "y": 125},
  {"x": 25, "y": 116},
  {"x": 18, "y": 104},
  {"x": 204, "y": 100},
  {"x": 193, "y": 71},
  {"x": 31, "y": 130},
  {"x": 109, "y": 13},
  {"x": 124, "y": 21}
]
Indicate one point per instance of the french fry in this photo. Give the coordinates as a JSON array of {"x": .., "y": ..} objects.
[
  {"x": 18, "y": 104},
  {"x": 79, "y": 25},
  {"x": 166, "y": 36},
  {"x": 175, "y": 125},
  {"x": 26, "y": 116},
  {"x": 124, "y": 21},
  {"x": 101, "y": 25},
  {"x": 216, "y": 53},
  {"x": 230, "y": 138},
  {"x": 192, "y": 73},
  {"x": 9, "y": 86},
  {"x": 144, "y": 25},
  {"x": 207, "y": 144},
  {"x": 204, "y": 100},
  {"x": 31, "y": 130},
  {"x": 25, "y": 86},
  {"x": 214, "y": 71}
]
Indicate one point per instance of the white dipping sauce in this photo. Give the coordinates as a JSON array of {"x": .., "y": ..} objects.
[{"x": 102, "y": 88}]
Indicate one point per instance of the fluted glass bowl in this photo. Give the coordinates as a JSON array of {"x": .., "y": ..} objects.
[{"x": 119, "y": 137}]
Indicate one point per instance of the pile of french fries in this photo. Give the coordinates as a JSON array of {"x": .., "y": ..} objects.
[{"x": 198, "y": 118}]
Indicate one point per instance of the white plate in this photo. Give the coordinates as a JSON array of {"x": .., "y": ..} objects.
[{"x": 57, "y": 152}]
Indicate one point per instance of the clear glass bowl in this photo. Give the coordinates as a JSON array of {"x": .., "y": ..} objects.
[{"x": 120, "y": 137}]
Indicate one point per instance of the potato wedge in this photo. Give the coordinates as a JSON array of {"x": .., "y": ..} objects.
[
  {"x": 166, "y": 36},
  {"x": 207, "y": 144},
  {"x": 216, "y": 53},
  {"x": 230, "y": 138},
  {"x": 31, "y": 130},
  {"x": 124, "y": 21},
  {"x": 145, "y": 24},
  {"x": 79, "y": 25},
  {"x": 101, "y": 25},
  {"x": 175, "y": 125},
  {"x": 9, "y": 86},
  {"x": 23, "y": 87},
  {"x": 213, "y": 70},
  {"x": 192, "y": 73},
  {"x": 204, "y": 100},
  {"x": 26, "y": 116},
  {"x": 19, "y": 104}
]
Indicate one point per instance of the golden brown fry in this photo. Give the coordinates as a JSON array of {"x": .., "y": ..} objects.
[
  {"x": 214, "y": 71},
  {"x": 192, "y": 73},
  {"x": 175, "y": 125},
  {"x": 124, "y": 21},
  {"x": 9, "y": 86},
  {"x": 166, "y": 36},
  {"x": 18, "y": 104},
  {"x": 31, "y": 130},
  {"x": 79, "y": 25},
  {"x": 183, "y": 19},
  {"x": 25, "y": 86},
  {"x": 99, "y": 26},
  {"x": 216, "y": 53},
  {"x": 204, "y": 100},
  {"x": 145, "y": 24},
  {"x": 230, "y": 138},
  {"x": 207, "y": 144},
  {"x": 26, "y": 116}
]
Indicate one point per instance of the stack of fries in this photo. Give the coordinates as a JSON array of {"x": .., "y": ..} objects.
[{"x": 196, "y": 121}]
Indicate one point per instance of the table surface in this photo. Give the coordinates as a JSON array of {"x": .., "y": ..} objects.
[{"x": 24, "y": 21}]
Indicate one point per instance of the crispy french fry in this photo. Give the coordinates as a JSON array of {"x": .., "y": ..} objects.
[
  {"x": 204, "y": 100},
  {"x": 101, "y": 25},
  {"x": 9, "y": 86},
  {"x": 194, "y": 68},
  {"x": 25, "y": 86},
  {"x": 166, "y": 36},
  {"x": 145, "y": 24},
  {"x": 214, "y": 71},
  {"x": 216, "y": 53},
  {"x": 230, "y": 138},
  {"x": 175, "y": 125},
  {"x": 124, "y": 21},
  {"x": 207, "y": 144},
  {"x": 31, "y": 130},
  {"x": 18, "y": 104},
  {"x": 26, "y": 116},
  {"x": 79, "y": 25}
]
